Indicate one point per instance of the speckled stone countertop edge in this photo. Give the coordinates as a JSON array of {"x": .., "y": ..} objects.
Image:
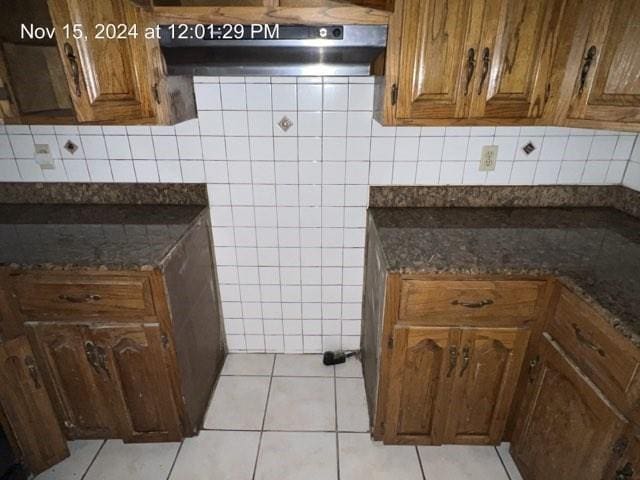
[
  {"x": 202, "y": 217},
  {"x": 543, "y": 274},
  {"x": 104, "y": 193},
  {"x": 398, "y": 196}
]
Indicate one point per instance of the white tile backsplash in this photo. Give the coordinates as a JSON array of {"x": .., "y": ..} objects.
[{"x": 288, "y": 208}]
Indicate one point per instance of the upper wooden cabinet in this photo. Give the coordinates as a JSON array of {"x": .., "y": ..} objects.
[
  {"x": 606, "y": 67},
  {"x": 96, "y": 67},
  {"x": 433, "y": 80},
  {"x": 107, "y": 78},
  {"x": 518, "y": 44},
  {"x": 506, "y": 62},
  {"x": 478, "y": 61}
]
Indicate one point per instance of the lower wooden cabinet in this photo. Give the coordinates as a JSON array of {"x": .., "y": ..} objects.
[
  {"x": 566, "y": 428},
  {"x": 108, "y": 380},
  {"x": 452, "y": 385},
  {"x": 27, "y": 415}
]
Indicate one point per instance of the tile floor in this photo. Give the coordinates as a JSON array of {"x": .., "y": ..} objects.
[{"x": 283, "y": 417}]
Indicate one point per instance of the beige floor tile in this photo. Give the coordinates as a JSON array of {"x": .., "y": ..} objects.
[
  {"x": 462, "y": 462},
  {"x": 81, "y": 454},
  {"x": 301, "y": 366},
  {"x": 296, "y": 455},
  {"x": 301, "y": 404},
  {"x": 238, "y": 403},
  {"x": 351, "y": 368},
  {"x": 133, "y": 461},
  {"x": 363, "y": 459},
  {"x": 352, "y": 405},
  {"x": 217, "y": 455},
  {"x": 248, "y": 364}
]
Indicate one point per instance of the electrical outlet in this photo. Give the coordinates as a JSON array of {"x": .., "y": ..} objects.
[
  {"x": 43, "y": 157},
  {"x": 488, "y": 158}
]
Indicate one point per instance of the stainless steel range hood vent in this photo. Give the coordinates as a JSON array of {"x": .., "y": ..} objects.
[{"x": 333, "y": 50}]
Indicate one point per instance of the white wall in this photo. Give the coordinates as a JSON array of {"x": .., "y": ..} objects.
[{"x": 289, "y": 208}]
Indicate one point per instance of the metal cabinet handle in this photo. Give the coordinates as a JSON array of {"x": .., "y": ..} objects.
[
  {"x": 33, "y": 371},
  {"x": 453, "y": 360},
  {"x": 102, "y": 360},
  {"x": 73, "y": 65},
  {"x": 486, "y": 61},
  {"x": 625, "y": 473},
  {"x": 97, "y": 357},
  {"x": 586, "y": 342},
  {"x": 92, "y": 355},
  {"x": 480, "y": 304},
  {"x": 83, "y": 299},
  {"x": 586, "y": 66},
  {"x": 466, "y": 356},
  {"x": 156, "y": 93},
  {"x": 532, "y": 366},
  {"x": 471, "y": 66}
]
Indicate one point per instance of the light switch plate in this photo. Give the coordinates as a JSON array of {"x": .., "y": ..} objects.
[{"x": 488, "y": 158}]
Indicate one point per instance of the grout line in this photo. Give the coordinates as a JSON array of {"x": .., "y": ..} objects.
[
  {"x": 86, "y": 472},
  {"x": 275, "y": 430},
  {"x": 335, "y": 406},
  {"x": 502, "y": 463},
  {"x": 264, "y": 418},
  {"x": 424, "y": 477},
  {"x": 175, "y": 459}
]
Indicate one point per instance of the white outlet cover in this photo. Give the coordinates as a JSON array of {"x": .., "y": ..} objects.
[
  {"x": 488, "y": 158},
  {"x": 43, "y": 157}
]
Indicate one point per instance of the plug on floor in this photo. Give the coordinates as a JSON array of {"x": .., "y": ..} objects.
[{"x": 337, "y": 357}]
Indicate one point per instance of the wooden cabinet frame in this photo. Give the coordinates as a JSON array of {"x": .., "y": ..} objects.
[{"x": 381, "y": 356}]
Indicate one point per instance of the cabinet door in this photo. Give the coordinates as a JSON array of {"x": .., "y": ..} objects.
[
  {"x": 421, "y": 375},
  {"x": 515, "y": 57},
  {"x": 566, "y": 428},
  {"x": 27, "y": 409},
  {"x": 109, "y": 79},
  {"x": 137, "y": 364},
  {"x": 485, "y": 381},
  {"x": 607, "y": 83},
  {"x": 625, "y": 457},
  {"x": 437, "y": 59},
  {"x": 82, "y": 391}
]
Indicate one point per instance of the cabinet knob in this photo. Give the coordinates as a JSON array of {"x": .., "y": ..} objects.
[{"x": 625, "y": 473}]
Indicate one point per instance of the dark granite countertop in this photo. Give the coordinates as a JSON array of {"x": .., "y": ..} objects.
[
  {"x": 92, "y": 236},
  {"x": 594, "y": 251}
]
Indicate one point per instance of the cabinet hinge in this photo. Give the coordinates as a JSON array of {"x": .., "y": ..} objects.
[
  {"x": 390, "y": 343},
  {"x": 165, "y": 341},
  {"x": 394, "y": 94}
]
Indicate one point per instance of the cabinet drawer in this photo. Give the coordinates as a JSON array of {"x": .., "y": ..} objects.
[
  {"x": 458, "y": 301},
  {"x": 606, "y": 357},
  {"x": 44, "y": 295}
]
